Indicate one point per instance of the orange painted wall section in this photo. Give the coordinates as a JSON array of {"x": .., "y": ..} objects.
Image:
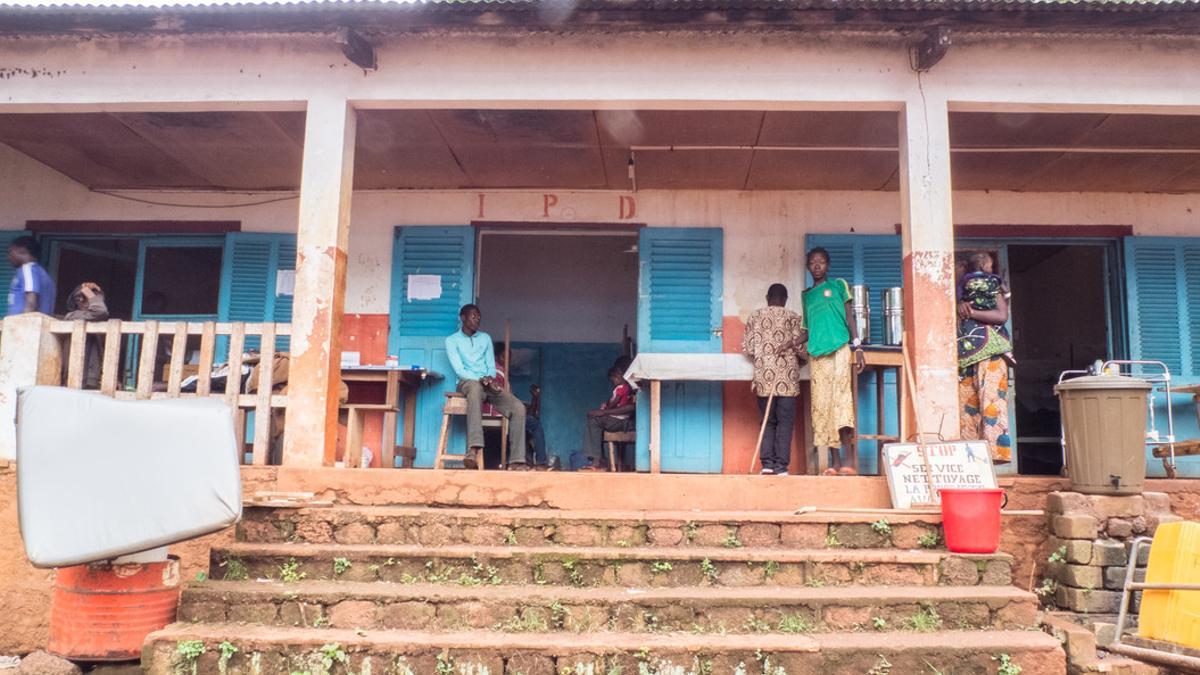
[
  {"x": 368, "y": 335},
  {"x": 740, "y": 410}
]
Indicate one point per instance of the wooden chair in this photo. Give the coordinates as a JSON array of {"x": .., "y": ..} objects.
[
  {"x": 613, "y": 439},
  {"x": 456, "y": 404}
]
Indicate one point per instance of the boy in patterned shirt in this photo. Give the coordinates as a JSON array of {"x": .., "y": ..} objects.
[{"x": 774, "y": 340}]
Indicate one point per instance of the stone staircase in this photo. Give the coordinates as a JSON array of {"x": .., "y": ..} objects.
[{"x": 410, "y": 590}]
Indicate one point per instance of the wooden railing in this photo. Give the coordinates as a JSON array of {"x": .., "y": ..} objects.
[{"x": 139, "y": 377}]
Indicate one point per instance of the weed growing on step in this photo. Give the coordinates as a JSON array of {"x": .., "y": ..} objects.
[
  {"x": 510, "y": 537},
  {"x": 882, "y": 527},
  {"x": 321, "y": 622},
  {"x": 689, "y": 531},
  {"x": 539, "y": 573},
  {"x": 770, "y": 569},
  {"x": 235, "y": 569},
  {"x": 1046, "y": 591},
  {"x": 794, "y": 623},
  {"x": 1059, "y": 556},
  {"x": 650, "y": 622},
  {"x": 480, "y": 574},
  {"x": 529, "y": 620},
  {"x": 765, "y": 665},
  {"x": 930, "y": 539},
  {"x": 831, "y": 541},
  {"x": 289, "y": 572},
  {"x": 340, "y": 565},
  {"x": 924, "y": 620},
  {"x": 558, "y": 615},
  {"x": 933, "y": 670},
  {"x": 756, "y": 625},
  {"x": 709, "y": 570},
  {"x": 878, "y": 623},
  {"x": 201, "y": 577},
  {"x": 227, "y": 650},
  {"x": 445, "y": 663},
  {"x": 815, "y": 582},
  {"x": 574, "y": 574},
  {"x": 661, "y": 567},
  {"x": 882, "y": 667},
  {"x": 1006, "y": 666},
  {"x": 331, "y": 654},
  {"x": 731, "y": 539},
  {"x": 187, "y": 652}
]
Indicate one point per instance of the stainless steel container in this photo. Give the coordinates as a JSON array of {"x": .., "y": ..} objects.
[
  {"x": 893, "y": 316},
  {"x": 860, "y": 305}
]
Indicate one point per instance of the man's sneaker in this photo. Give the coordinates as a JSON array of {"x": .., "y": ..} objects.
[{"x": 767, "y": 471}]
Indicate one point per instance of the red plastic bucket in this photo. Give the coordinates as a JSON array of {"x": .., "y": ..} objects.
[{"x": 971, "y": 519}]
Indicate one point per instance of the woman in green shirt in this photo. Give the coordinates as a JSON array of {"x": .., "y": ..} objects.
[{"x": 831, "y": 338}]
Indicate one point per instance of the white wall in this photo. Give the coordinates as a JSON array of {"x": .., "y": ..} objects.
[{"x": 764, "y": 231}]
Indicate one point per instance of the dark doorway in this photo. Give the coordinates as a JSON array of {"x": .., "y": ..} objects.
[
  {"x": 1059, "y": 322},
  {"x": 110, "y": 262}
]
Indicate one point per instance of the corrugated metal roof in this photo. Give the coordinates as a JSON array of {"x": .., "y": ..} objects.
[{"x": 267, "y": 6}]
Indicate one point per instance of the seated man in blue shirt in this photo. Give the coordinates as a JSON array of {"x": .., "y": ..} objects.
[
  {"x": 32, "y": 289},
  {"x": 474, "y": 362}
]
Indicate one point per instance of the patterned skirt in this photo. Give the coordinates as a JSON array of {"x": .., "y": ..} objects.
[
  {"x": 983, "y": 401},
  {"x": 832, "y": 397}
]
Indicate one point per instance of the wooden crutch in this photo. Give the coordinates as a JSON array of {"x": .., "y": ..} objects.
[{"x": 762, "y": 429}]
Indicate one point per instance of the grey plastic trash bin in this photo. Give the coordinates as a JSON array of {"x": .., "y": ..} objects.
[{"x": 1104, "y": 424}]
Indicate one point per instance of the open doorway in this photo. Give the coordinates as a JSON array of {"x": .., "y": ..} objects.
[
  {"x": 1060, "y": 322},
  {"x": 569, "y": 300}
]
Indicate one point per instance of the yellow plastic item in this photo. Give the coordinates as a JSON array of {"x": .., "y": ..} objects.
[{"x": 1173, "y": 616}]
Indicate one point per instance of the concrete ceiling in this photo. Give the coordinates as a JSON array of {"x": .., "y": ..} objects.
[{"x": 730, "y": 150}]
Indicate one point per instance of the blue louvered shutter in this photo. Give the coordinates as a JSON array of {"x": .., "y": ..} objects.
[
  {"x": 6, "y": 270},
  {"x": 445, "y": 252},
  {"x": 1161, "y": 274},
  {"x": 250, "y": 270},
  {"x": 873, "y": 260},
  {"x": 680, "y": 287},
  {"x": 418, "y": 328}
]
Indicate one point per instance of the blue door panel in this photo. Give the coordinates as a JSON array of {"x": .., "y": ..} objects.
[
  {"x": 680, "y": 310},
  {"x": 418, "y": 328}
]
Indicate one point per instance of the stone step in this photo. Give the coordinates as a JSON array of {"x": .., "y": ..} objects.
[
  {"x": 607, "y": 566},
  {"x": 270, "y": 650},
  {"x": 758, "y": 609},
  {"x": 398, "y": 525}
]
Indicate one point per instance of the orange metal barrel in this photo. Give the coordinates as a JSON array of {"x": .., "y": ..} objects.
[{"x": 103, "y": 612}]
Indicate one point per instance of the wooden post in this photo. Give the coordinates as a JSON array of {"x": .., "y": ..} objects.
[
  {"x": 29, "y": 355},
  {"x": 655, "y": 426},
  {"x": 928, "y": 239},
  {"x": 310, "y": 429}
]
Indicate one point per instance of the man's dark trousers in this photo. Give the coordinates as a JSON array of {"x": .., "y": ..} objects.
[{"x": 776, "y": 449}]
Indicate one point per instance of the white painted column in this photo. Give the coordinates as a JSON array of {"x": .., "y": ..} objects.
[
  {"x": 927, "y": 227},
  {"x": 322, "y": 234},
  {"x": 29, "y": 355}
]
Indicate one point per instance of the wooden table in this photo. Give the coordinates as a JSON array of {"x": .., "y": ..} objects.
[
  {"x": 395, "y": 379},
  {"x": 657, "y": 368},
  {"x": 879, "y": 359},
  {"x": 1182, "y": 448}
]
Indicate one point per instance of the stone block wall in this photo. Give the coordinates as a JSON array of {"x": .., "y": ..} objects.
[{"x": 1090, "y": 541}]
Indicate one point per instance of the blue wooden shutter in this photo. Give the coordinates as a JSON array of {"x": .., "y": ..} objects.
[
  {"x": 249, "y": 271},
  {"x": 875, "y": 260},
  {"x": 1161, "y": 274},
  {"x": 418, "y": 328},
  {"x": 679, "y": 289},
  {"x": 680, "y": 310}
]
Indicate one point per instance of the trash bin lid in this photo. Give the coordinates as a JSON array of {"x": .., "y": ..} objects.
[{"x": 1093, "y": 382}]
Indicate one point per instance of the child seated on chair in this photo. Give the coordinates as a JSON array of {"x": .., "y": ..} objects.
[
  {"x": 616, "y": 414},
  {"x": 533, "y": 417}
]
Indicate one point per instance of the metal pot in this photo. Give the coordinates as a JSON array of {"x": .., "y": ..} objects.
[{"x": 893, "y": 316}]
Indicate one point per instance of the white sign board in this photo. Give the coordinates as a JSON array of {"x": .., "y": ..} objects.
[{"x": 954, "y": 464}]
